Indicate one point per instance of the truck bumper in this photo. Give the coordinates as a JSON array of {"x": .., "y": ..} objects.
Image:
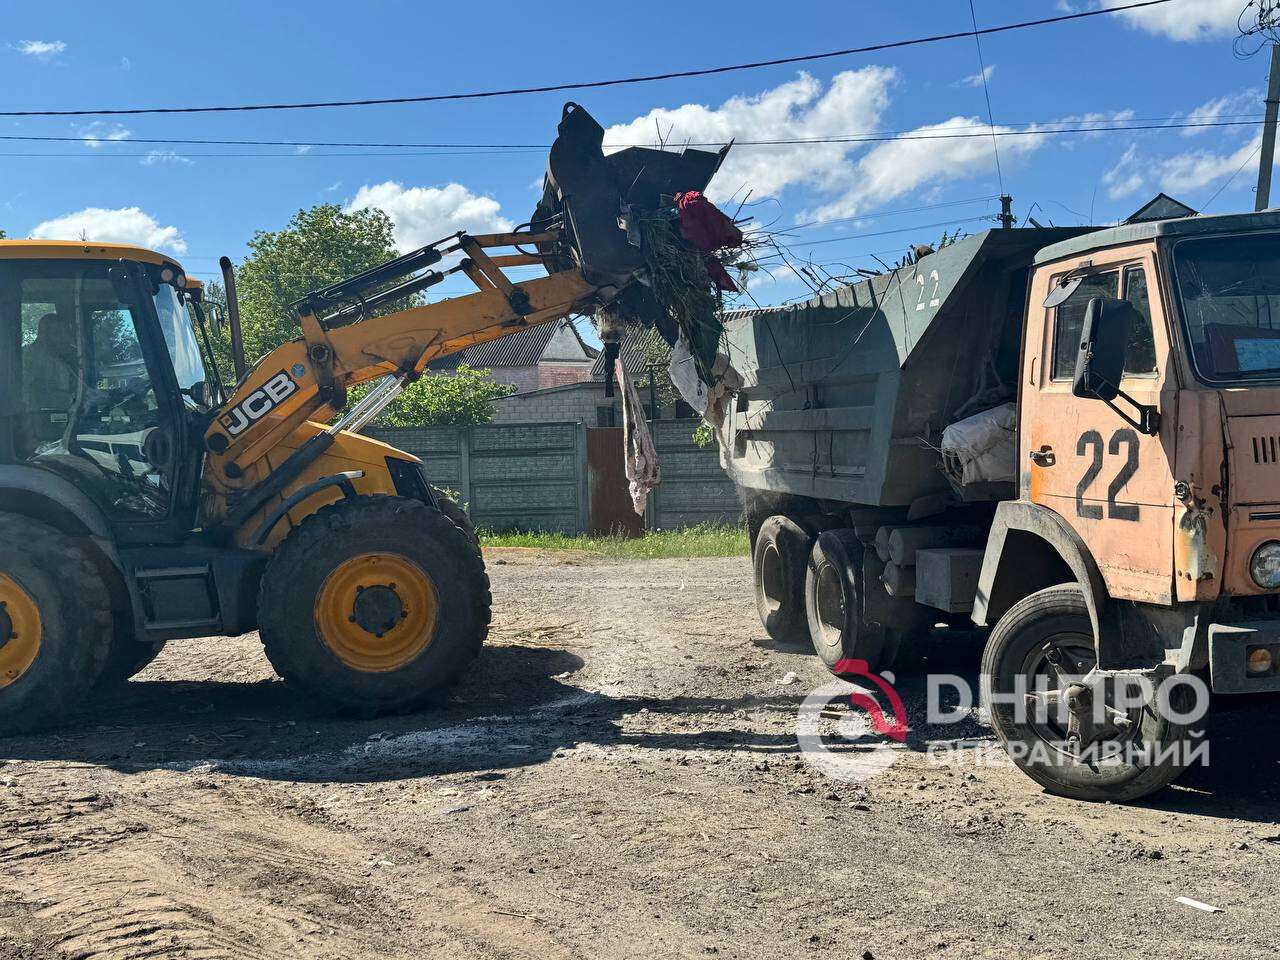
[{"x": 1245, "y": 657}]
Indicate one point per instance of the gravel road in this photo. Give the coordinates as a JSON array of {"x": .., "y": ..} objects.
[{"x": 619, "y": 777}]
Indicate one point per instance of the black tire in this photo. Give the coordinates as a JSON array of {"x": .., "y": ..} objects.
[
  {"x": 834, "y": 603},
  {"x": 126, "y": 658},
  {"x": 410, "y": 533},
  {"x": 778, "y": 559},
  {"x": 45, "y": 571},
  {"x": 1058, "y": 618},
  {"x": 451, "y": 509}
]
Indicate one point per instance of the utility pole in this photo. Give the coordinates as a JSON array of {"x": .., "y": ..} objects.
[
  {"x": 1269, "y": 133},
  {"x": 1007, "y": 219}
]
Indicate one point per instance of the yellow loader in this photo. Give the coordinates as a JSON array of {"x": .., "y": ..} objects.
[{"x": 140, "y": 502}]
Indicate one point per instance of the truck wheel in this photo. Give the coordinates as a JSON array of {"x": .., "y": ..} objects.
[
  {"x": 778, "y": 558},
  {"x": 1046, "y": 639},
  {"x": 834, "y": 603},
  {"x": 55, "y": 625},
  {"x": 374, "y": 605}
]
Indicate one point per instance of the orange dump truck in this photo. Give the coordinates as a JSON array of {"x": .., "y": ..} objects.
[{"x": 1071, "y": 437}]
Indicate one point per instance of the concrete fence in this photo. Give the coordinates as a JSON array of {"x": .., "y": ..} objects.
[{"x": 533, "y": 476}]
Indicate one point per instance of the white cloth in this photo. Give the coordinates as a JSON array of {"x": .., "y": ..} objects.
[{"x": 641, "y": 455}]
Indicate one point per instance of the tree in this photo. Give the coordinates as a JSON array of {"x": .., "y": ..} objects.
[
  {"x": 318, "y": 247},
  {"x": 457, "y": 399}
]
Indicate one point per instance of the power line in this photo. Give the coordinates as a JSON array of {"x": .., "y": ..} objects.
[
  {"x": 1082, "y": 126},
  {"x": 479, "y": 149},
  {"x": 986, "y": 90},
  {"x": 591, "y": 84}
]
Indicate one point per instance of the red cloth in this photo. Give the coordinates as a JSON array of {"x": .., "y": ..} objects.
[{"x": 708, "y": 229}]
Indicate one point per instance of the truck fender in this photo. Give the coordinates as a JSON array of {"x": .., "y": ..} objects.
[{"x": 1031, "y": 547}]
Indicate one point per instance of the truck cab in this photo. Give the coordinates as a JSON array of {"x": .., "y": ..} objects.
[{"x": 1185, "y": 514}]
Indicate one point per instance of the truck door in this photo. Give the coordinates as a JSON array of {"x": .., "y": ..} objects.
[{"x": 1108, "y": 480}]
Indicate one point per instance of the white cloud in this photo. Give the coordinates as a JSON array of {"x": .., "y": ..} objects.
[
  {"x": 1232, "y": 105},
  {"x": 333, "y": 186},
  {"x": 1184, "y": 19},
  {"x": 1183, "y": 173},
  {"x": 303, "y": 148},
  {"x": 977, "y": 79},
  {"x": 41, "y": 49},
  {"x": 843, "y": 179},
  {"x": 125, "y": 225},
  {"x": 1126, "y": 177},
  {"x": 801, "y": 108},
  {"x": 100, "y": 132},
  {"x": 157, "y": 157},
  {"x": 422, "y": 215},
  {"x": 1191, "y": 171}
]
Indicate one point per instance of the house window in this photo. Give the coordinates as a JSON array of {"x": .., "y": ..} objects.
[{"x": 607, "y": 416}]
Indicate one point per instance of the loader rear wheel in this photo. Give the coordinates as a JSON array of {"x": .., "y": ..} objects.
[
  {"x": 55, "y": 626},
  {"x": 778, "y": 558},
  {"x": 375, "y": 605}
]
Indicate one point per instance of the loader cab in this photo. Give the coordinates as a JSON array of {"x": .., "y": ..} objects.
[
  {"x": 1151, "y": 403},
  {"x": 103, "y": 384}
]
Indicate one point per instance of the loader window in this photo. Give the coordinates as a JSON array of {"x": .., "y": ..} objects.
[
  {"x": 88, "y": 407},
  {"x": 1140, "y": 353}
]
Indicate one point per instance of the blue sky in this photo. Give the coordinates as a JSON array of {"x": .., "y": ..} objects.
[{"x": 200, "y": 202}]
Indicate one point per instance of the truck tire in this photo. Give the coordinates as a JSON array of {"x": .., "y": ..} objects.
[
  {"x": 1017, "y": 652},
  {"x": 375, "y": 605},
  {"x": 55, "y": 618},
  {"x": 451, "y": 509},
  {"x": 834, "y": 603},
  {"x": 778, "y": 559}
]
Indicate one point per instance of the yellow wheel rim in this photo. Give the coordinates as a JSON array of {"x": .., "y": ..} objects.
[
  {"x": 21, "y": 628},
  {"x": 377, "y": 612}
]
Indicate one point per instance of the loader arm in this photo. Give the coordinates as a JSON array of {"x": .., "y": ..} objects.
[{"x": 345, "y": 343}]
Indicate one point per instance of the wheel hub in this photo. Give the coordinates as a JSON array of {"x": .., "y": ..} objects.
[
  {"x": 21, "y": 630},
  {"x": 378, "y": 609},
  {"x": 377, "y": 612},
  {"x": 1077, "y": 710}
]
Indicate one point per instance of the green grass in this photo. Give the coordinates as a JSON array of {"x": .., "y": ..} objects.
[{"x": 699, "y": 541}]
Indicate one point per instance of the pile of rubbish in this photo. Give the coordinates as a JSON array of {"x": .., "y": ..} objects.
[{"x": 638, "y": 218}]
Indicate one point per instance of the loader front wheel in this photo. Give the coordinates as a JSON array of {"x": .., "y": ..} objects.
[
  {"x": 55, "y": 626},
  {"x": 375, "y": 605}
]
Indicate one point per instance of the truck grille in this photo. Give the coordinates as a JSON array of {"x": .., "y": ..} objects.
[{"x": 1265, "y": 450}]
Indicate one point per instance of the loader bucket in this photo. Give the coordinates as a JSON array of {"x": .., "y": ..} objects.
[{"x": 594, "y": 192}]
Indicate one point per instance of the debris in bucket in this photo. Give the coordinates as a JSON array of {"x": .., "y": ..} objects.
[{"x": 640, "y": 453}]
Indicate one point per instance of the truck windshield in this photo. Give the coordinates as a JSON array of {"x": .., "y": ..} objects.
[{"x": 1230, "y": 293}]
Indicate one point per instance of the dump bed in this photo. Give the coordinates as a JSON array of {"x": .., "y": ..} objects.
[{"x": 847, "y": 394}]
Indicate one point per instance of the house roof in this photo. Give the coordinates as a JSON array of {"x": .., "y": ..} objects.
[
  {"x": 1161, "y": 207},
  {"x": 524, "y": 348},
  {"x": 633, "y": 353}
]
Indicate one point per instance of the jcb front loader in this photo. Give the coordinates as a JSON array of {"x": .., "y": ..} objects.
[{"x": 138, "y": 504}]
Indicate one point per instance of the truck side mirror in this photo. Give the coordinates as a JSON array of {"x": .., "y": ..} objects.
[
  {"x": 1100, "y": 361},
  {"x": 1104, "y": 339}
]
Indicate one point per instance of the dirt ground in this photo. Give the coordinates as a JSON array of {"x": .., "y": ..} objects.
[{"x": 618, "y": 777}]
